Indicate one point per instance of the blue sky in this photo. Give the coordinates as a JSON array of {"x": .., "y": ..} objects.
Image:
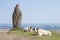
[{"x": 33, "y": 11}]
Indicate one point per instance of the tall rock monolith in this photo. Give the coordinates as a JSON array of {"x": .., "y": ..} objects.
[{"x": 17, "y": 17}]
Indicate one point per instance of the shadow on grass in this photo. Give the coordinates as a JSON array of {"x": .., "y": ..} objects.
[{"x": 34, "y": 34}]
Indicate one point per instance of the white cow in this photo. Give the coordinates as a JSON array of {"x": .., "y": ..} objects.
[
  {"x": 28, "y": 29},
  {"x": 42, "y": 32}
]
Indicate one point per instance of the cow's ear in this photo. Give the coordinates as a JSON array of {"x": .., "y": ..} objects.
[
  {"x": 37, "y": 28},
  {"x": 30, "y": 27},
  {"x": 33, "y": 28}
]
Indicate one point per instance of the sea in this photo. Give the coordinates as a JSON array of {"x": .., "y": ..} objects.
[{"x": 42, "y": 26}]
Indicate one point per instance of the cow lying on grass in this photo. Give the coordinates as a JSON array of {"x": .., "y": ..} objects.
[
  {"x": 41, "y": 32},
  {"x": 28, "y": 29}
]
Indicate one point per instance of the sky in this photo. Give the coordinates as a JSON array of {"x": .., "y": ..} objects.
[{"x": 33, "y": 11}]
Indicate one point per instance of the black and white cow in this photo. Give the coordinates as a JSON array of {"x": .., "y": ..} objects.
[
  {"x": 28, "y": 29},
  {"x": 41, "y": 32}
]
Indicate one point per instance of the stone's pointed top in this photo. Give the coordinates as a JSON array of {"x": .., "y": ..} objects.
[{"x": 17, "y": 5}]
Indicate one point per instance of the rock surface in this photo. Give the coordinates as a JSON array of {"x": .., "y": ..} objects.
[{"x": 17, "y": 17}]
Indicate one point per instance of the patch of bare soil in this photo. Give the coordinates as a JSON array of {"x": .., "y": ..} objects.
[{"x": 5, "y": 36}]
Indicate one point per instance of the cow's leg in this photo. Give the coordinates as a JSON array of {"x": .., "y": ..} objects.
[
  {"x": 49, "y": 34},
  {"x": 40, "y": 34}
]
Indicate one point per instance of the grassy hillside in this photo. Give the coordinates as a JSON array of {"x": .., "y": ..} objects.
[{"x": 32, "y": 36}]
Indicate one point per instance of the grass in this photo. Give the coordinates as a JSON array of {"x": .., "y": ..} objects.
[{"x": 32, "y": 35}]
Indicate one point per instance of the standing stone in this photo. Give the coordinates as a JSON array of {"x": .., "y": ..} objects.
[{"x": 17, "y": 17}]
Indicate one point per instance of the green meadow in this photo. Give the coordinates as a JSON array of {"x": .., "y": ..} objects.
[{"x": 32, "y": 36}]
